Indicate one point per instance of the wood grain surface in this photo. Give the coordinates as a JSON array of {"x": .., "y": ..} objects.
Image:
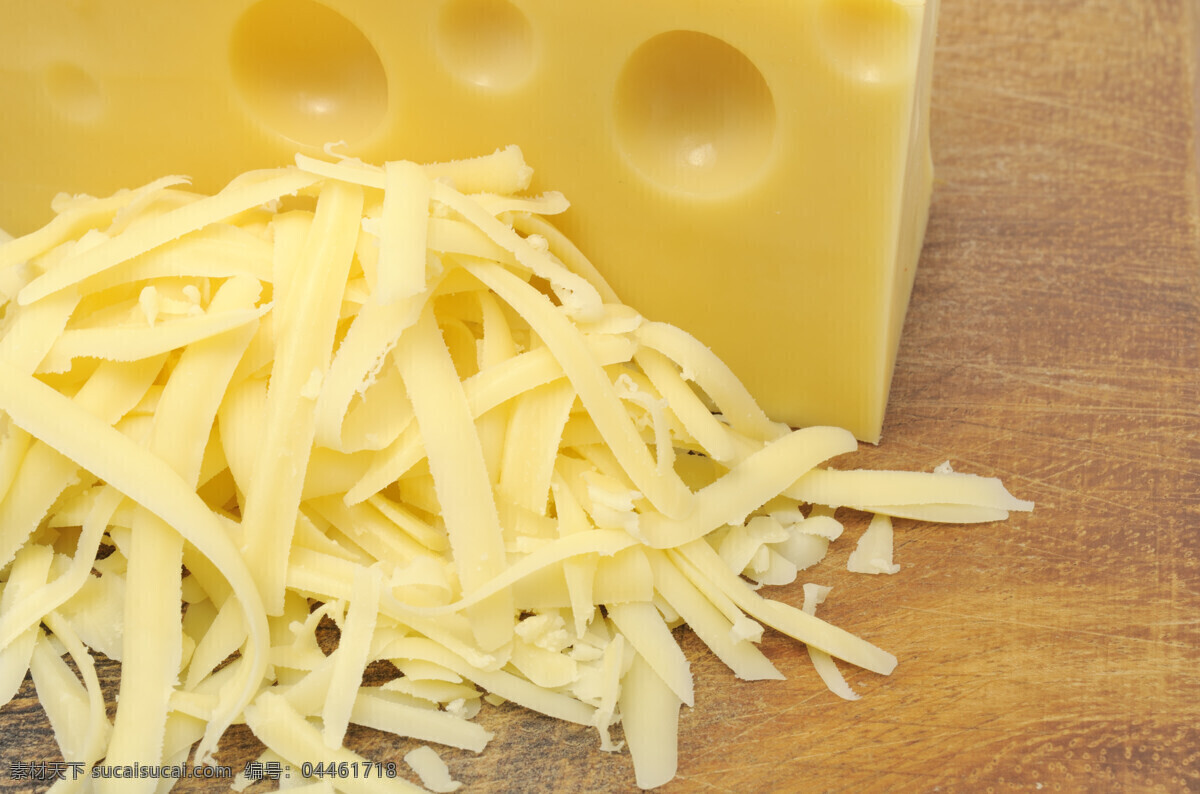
[{"x": 1054, "y": 341}]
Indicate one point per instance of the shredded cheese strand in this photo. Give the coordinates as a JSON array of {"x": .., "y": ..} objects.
[
  {"x": 281, "y": 728},
  {"x": 405, "y": 226},
  {"x": 710, "y": 625},
  {"x": 822, "y": 662},
  {"x": 72, "y": 222},
  {"x": 111, "y": 391},
  {"x": 26, "y": 574},
  {"x": 22, "y": 615},
  {"x": 97, "y": 728},
  {"x": 863, "y": 489},
  {"x": 714, "y": 376},
  {"x": 459, "y": 472},
  {"x": 257, "y": 188},
  {"x": 787, "y": 619},
  {"x": 749, "y": 485},
  {"x": 131, "y": 343},
  {"x": 650, "y": 715},
  {"x": 119, "y": 461},
  {"x": 643, "y": 626},
  {"x": 351, "y": 657},
  {"x": 665, "y": 490},
  {"x": 306, "y": 325},
  {"x": 579, "y": 297}
]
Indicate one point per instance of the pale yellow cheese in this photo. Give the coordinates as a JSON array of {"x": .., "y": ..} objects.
[
  {"x": 27, "y": 573},
  {"x": 63, "y": 698},
  {"x": 375, "y": 710},
  {"x": 873, "y": 554},
  {"x": 460, "y": 474},
  {"x": 84, "y": 438},
  {"x": 644, "y": 628},
  {"x": 351, "y": 657},
  {"x": 405, "y": 229},
  {"x": 285, "y": 731},
  {"x": 306, "y": 324},
  {"x": 432, "y": 770},
  {"x": 650, "y": 715},
  {"x": 259, "y": 188},
  {"x": 112, "y": 389},
  {"x": 830, "y": 674},
  {"x": 495, "y": 476},
  {"x": 21, "y": 616}
]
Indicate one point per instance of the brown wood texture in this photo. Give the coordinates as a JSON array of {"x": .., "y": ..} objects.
[{"x": 1053, "y": 340}]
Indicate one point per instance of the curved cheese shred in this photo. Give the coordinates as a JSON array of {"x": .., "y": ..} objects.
[
  {"x": 81, "y": 437},
  {"x": 377, "y": 711},
  {"x": 749, "y": 485},
  {"x": 459, "y": 472},
  {"x": 650, "y": 714},
  {"x": 256, "y": 189},
  {"x": 23, "y": 614},
  {"x": 93, "y": 724},
  {"x": 713, "y": 376},
  {"x": 404, "y": 233},
  {"x": 26, "y": 574},
  {"x": 285, "y": 731},
  {"x": 826, "y": 668},
  {"x": 71, "y": 222},
  {"x": 666, "y": 491},
  {"x": 863, "y": 489},
  {"x": 130, "y": 343},
  {"x": 351, "y": 657},
  {"x": 306, "y": 324}
]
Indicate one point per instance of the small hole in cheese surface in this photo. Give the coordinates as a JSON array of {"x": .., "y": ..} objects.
[
  {"x": 694, "y": 115},
  {"x": 486, "y": 43},
  {"x": 73, "y": 92},
  {"x": 873, "y": 41},
  {"x": 308, "y": 73}
]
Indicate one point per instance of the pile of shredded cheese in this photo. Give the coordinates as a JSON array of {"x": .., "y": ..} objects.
[{"x": 395, "y": 397}]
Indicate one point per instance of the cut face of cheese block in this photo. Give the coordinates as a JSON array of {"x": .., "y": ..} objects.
[{"x": 759, "y": 177}]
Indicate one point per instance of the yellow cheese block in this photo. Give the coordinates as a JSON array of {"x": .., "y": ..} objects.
[{"x": 756, "y": 172}]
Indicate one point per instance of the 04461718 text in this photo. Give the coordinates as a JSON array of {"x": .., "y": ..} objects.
[{"x": 346, "y": 769}]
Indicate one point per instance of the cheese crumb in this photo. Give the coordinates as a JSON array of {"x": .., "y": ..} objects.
[
  {"x": 873, "y": 554},
  {"x": 312, "y": 387},
  {"x": 148, "y": 303},
  {"x": 432, "y": 770}
]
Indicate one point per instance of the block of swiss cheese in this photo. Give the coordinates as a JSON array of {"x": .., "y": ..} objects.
[{"x": 756, "y": 172}]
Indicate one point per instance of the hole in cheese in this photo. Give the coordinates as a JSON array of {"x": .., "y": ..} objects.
[
  {"x": 694, "y": 115},
  {"x": 487, "y": 43},
  {"x": 307, "y": 73},
  {"x": 875, "y": 41},
  {"x": 73, "y": 92}
]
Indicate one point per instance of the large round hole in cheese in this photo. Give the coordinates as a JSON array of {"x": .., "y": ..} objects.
[
  {"x": 694, "y": 115},
  {"x": 308, "y": 73}
]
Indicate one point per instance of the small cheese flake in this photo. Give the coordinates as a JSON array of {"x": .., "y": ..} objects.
[
  {"x": 746, "y": 629},
  {"x": 873, "y": 554},
  {"x": 312, "y": 387},
  {"x": 396, "y": 417},
  {"x": 814, "y": 594},
  {"x": 432, "y": 770},
  {"x": 148, "y": 302}
]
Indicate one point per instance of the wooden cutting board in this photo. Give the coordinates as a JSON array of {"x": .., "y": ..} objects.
[{"x": 1054, "y": 341}]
